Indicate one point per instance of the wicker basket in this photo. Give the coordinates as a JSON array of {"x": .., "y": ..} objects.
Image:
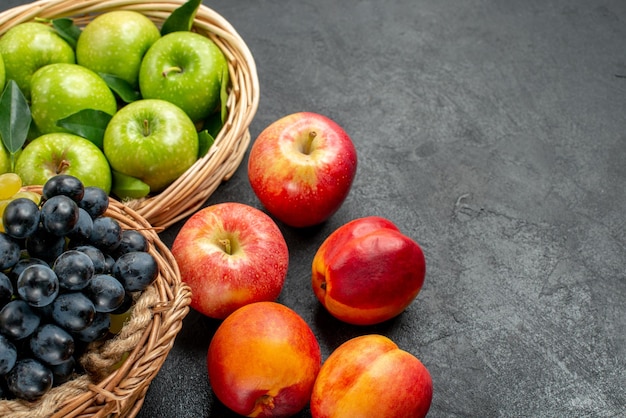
[
  {"x": 189, "y": 192},
  {"x": 110, "y": 390}
]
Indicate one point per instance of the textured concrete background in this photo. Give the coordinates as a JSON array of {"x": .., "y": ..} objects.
[{"x": 493, "y": 133}]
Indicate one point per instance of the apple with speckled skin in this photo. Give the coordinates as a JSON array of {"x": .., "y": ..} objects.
[
  {"x": 115, "y": 43},
  {"x": 29, "y": 46},
  {"x": 3, "y": 73},
  {"x": 5, "y": 159},
  {"x": 301, "y": 168},
  {"x": 187, "y": 69},
  {"x": 151, "y": 140},
  {"x": 60, "y": 90},
  {"x": 263, "y": 360},
  {"x": 370, "y": 376},
  {"x": 63, "y": 153},
  {"x": 231, "y": 255}
]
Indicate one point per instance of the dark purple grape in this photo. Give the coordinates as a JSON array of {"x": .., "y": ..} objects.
[
  {"x": 74, "y": 269},
  {"x": 97, "y": 257},
  {"x": 19, "y": 267},
  {"x": 59, "y": 215},
  {"x": 106, "y": 292},
  {"x": 20, "y": 218},
  {"x": 44, "y": 312},
  {"x": 6, "y": 289},
  {"x": 136, "y": 270},
  {"x": 18, "y": 320},
  {"x": 8, "y": 355},
  {"x": 98, "y": 329},
  {"x": 82, "y": 231},
  {"x": 106, "y": 233},
  {"x": 132, "y": 240},
  {"x": 9, "y": 251},
  {"x": 62, "y": 372},
  {"x": 73, "y": 311},
  {"x": 64, "y": 185},
  {"x": 38, "y": 285},
  {"x": 5, "y": 393},
  {"x": 125, "y": 306},
  {"x": 95, "y": 201},
  {"x": 29, "y": 379},
  {"x": 51, "y": 344},
  {"x": 109, "y": 262},
  {"x": 45, "y": 245}
]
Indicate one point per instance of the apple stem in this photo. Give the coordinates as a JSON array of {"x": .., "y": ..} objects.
[
  {"x": 63, "y": 165},
  {"x": 309, "y": 142},
  {"x": 173, "y": 69},
  {"x": 226, "y": 245},
  {"x": 146, "y": 127}
]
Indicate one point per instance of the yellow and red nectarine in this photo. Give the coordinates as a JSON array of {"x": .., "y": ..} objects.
[
  {"x": 369, "y": 376},
  {"x": 263, "y": 361}
]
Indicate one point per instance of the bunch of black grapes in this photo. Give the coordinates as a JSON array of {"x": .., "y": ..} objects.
[{"x": 65, "y": 267}]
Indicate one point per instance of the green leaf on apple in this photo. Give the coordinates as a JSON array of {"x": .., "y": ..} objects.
[
  {"x": 205, "y": 141},
  {"x": 88, "y": 123},
  {"x": 181, "y": 18},
  {"x": 127, "y": 187},
  {"x": 15, "y": 119},
  {"x": 121, "y": 87},
  {"x": 67, "y": 30}
]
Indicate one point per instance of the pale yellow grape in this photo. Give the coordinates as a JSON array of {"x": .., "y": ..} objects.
[
  {"x": 10, "y": 183},
  {"x": 3, "y": 205},
  {"x": 35, "y": 197}
]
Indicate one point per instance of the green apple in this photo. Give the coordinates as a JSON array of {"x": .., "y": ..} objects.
[
  {"x": 60, "y": 90},
  {"x": 152, "y": 140},
  {"x": 3, "y": 74},
  {"x": 27, "y": 47},
  {"x": 63, "y": 153},
  {"x": 115, "y": 42},
  {"x": 184, "y": 68},
  {"x": 5, "y": 160}
]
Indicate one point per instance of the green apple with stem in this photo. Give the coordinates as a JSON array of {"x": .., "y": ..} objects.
[
  {"x": 187, "y": 69},
  {"x": 29, "y": 46},
  {"x": 60, "y": 90},
  {"x": 115, "y": 43},
  {"x": 151, "y": 140},
  {"x": 3, "y": 73},
  {"x": 63, "y": 153}
]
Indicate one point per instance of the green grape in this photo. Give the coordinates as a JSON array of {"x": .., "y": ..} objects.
[
  {"x": 119, "y": 320},
  {"x": 35, "y": 197},
  {"x": 10, "y": 183}
]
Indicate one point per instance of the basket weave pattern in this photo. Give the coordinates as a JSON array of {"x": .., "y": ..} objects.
[
  {"x": 110, "y": 389},
  {"x": 189, "y": 192}
]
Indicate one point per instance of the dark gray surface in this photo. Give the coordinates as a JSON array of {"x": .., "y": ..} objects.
[{"x": 493, "y": 133}]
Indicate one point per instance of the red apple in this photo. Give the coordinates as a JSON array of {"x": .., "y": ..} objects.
[
  {"x": 230, "y": 255},
  {"x": 369, "y": 376},
  {"x": 301, "y": 168},
  {"x": 263, "y": 361}
]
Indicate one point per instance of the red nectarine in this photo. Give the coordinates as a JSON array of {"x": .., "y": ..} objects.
[{"x": 367, "y": 271}]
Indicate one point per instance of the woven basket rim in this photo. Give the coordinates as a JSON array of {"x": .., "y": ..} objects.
[
  {"x": 147, "y": 338},
  {"x": 191, "y": 190}
]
